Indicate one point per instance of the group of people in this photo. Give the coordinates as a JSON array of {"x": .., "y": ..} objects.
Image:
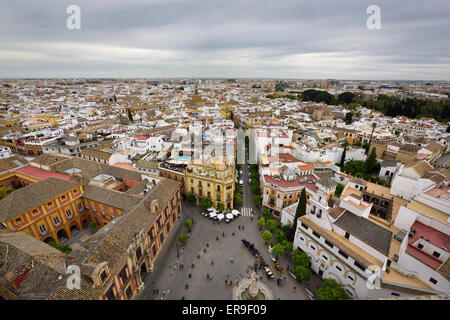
[{"x": 281, "y": 281}]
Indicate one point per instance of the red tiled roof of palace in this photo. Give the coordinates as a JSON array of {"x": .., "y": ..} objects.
[{"x": 41, "y": 174}]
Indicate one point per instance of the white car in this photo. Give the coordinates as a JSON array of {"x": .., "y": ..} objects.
[{"x": 241, "y": 182}]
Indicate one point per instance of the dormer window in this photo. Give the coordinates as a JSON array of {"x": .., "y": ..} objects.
[
  {"x": 110, "y": 293},
  {"x": 103, "y": 276},
  {"x": 138, "y": 253},
  {"x": 436, "y": 254}
]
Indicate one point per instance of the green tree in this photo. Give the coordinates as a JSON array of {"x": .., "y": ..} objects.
[
  {"x": 257, "y": 199},
  {"x": 261, "y": 222},
  {"x": 4, "y": 191},
  {"x": 287, "y": 245},
  {"x": 280, "y": 236},
  {"x": 302, "y": 273},
  {"x": 191, "y": 198},
  {"x": 301, "y": 211},
  {"x": 238, "y": 199},
  {"x": 278, "y": 249},
  {"x": 331, "y": 290},
  {"x": 187, "y": 224},
  {"x": 348, "y": 118},
  {"x": 220, "y": 207},
  {"x": 182, "y": 239},
  {"x": 206, "y": 203},
  {"x": 130, "y": 116},
  {"x": 267, "y": 236},
  {"x": 371, "y": 161},
  {"x": 339, "y": 189},
  {"x": 374, "y": 125},
  {"x": 266, "y": 214},
  {"x": 300, "y": 258},
  {"x": 347, "y": 97},
  {"x": 63, "y": 248},
  {"x": 271, "y": 224}
]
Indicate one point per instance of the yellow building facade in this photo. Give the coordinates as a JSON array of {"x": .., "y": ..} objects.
[
  {"x": 56, "y": 219},
  {"x": 214, "y": 182}
]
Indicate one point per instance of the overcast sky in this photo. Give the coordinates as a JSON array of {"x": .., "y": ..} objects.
[{"x": 226, "y": 38}]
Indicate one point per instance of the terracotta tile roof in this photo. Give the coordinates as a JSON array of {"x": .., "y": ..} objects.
[
  {"x": 32, "y": 196},
  {"x": 435, "y": 237},
  {"x": 18, "y": 249},
  {"x": 111, "y": 242},
  {"x": 12, "y": 163},
  {"x": 42, "y": 174},
  {"x": 297, "y": 183},
  {"x": 111, "y": 198}
]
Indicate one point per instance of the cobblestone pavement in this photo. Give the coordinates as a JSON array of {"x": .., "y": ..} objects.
[{"x": 202, "y": 249}]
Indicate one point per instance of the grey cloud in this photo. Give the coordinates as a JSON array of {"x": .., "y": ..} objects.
[{"x": 225, "y": 38}]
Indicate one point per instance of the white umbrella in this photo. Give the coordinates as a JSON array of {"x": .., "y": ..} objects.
[
  {"x": 235, "y": 212},
  {"x": 229, "y": 216},
  {"x": 211, "y": 209},
  {"x": 220, "y": 216},
  {"x": 212, "y": 214}
]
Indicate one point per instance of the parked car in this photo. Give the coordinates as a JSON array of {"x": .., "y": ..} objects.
[
  {"x": 249, "y": 180},
  {"x": 241, "y": 182},
  {"x": 269, "y": 273}
]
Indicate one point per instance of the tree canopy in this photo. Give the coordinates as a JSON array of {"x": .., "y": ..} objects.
[
  {"x": 4, "y": 191},
  {"x": 331, "y": 290},
  {"x": 302, "y": 273},
  {"x": 300, "y": 258},
  {"x": 267, "y": 236},
  {"x": 278, "y": 249},
  {"x": 187, "y": 224},
  {"x": 206, "y": 203},
  {"x": 191, "y": 198}
]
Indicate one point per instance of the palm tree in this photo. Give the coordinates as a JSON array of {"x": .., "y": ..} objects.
[{"x": 374, "y": 125}]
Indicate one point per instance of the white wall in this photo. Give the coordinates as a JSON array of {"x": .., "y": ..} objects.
[{"x": 407, "y": 188}]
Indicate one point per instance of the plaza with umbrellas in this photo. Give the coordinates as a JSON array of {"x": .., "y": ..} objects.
[{"x": 215, "y": 215}]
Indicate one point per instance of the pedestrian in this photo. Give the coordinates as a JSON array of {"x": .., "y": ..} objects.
[
  {"x": 251, "y": 218},
  {"x": 207, "y": 276},
  {"x": 228, "y": 276},
  {"x": 157, "y": 291},
  {"x": 243, "y": 228},
  {"x": 212, "y": 262},
  {"x": 239, "y": 227},
  {"x": 294, "y": 289},
  {"x": 231, "y": 283},
  {"x": 226, "y": 281}
]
